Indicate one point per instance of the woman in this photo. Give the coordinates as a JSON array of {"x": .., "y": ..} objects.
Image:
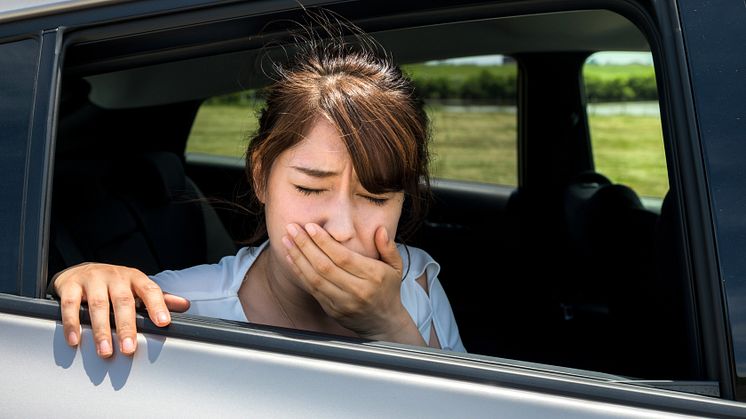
[{"x": 340, "y": 151}]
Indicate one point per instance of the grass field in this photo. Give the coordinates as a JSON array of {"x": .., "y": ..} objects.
[{"x": 478, "y": 146}]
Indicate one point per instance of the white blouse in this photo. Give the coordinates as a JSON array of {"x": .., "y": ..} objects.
[{"x": 213, "y": 291}]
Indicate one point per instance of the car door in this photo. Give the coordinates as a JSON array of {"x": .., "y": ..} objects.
[{"x": 199, "y": 366}]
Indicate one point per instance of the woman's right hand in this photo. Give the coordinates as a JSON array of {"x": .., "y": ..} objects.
[{"x": 98, "y": 284}]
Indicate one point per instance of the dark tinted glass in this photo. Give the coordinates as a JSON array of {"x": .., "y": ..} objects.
[
  {"x": 716, "y": 42},
  {"x": 18, "y": 62}
]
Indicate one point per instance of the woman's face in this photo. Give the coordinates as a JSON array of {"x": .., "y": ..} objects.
[{"x": 314, "y": 182}]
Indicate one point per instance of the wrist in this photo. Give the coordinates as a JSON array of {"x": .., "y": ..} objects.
[{"x": 401, "y": 328}]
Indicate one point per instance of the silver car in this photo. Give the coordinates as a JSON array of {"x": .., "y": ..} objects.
[{"x": 577, "y": 292}]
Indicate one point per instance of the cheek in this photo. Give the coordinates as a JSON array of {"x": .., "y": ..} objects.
[{"x": 371, "y": 220}]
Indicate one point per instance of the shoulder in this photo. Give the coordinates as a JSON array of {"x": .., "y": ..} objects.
[
  {"x": 417, "y": 264},
  {"x": 210, "y": 280}
]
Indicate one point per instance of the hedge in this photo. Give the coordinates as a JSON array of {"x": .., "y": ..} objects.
[{"x": 496, "y": 85}]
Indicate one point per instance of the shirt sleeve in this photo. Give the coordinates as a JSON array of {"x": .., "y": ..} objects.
[
  {"x": 211, "y": 289},
  {"x": 428, "y": 309}
]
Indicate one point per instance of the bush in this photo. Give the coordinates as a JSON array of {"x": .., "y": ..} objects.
[{"x": 495, "y": 84}]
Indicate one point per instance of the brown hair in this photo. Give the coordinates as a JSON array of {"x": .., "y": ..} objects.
[{"x": 371, "y": 103}]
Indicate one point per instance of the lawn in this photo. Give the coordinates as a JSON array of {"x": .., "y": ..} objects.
[{"x": 478, "y": 146}]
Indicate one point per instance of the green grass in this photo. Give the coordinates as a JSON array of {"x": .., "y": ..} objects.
[
  {"x": 629, "y": 150},
  {"x": 223, "y": 130},
  {"x": 478, "y": 146},
  {"x": 606, "y": 72},
  {"x": 474, "y": 146}
]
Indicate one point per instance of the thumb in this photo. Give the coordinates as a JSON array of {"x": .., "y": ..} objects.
[
  {"x": 387, "y": 249},
  {"x": 175, "y": 303}
]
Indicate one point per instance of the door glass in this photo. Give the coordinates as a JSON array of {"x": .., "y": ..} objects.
[{"x": 18, "y": 62}]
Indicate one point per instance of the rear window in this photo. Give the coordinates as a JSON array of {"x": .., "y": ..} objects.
[
  {"x": 471, "y": 102},
  {"x": 624, "y": 119}
]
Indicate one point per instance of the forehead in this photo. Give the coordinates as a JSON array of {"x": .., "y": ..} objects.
[{"x": 322, "y": 145}]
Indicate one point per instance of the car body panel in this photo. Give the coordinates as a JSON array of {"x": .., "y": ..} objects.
[{"x": 237, "y": 382}]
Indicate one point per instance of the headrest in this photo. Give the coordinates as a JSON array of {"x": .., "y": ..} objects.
[{"x": 613, "y": 198}]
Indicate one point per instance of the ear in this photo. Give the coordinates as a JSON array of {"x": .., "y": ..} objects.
[{"x": 257, "y": 180}]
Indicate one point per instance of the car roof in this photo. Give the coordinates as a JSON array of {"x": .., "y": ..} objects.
[{"x": 158, "y": 83}]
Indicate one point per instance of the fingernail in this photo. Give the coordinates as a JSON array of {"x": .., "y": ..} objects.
[
  {"x": 128, "y": 346},
  {"x": 162, "y": 317},
  {"x": 311, "y": 229},
  {"x": 104, "y": 348},
  {"x": 385, "y": 235},
  {"x": 286, "y": 241},
  {"x": 292, "y": 229},
  {"x": 72, "y": 338}
]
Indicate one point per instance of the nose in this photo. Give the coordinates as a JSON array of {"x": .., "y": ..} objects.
[{"x": 340, "y": 223}]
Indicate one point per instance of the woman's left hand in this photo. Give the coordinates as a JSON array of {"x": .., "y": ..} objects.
[{"x": 361, "y": 293}]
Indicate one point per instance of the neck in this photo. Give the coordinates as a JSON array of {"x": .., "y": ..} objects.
[
  {"x": 274, "y": 297},
  {"x": 294, "y": 302}
]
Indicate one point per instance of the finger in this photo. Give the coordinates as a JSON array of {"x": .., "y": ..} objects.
[
  {"x": 326, "y": 293},
  {"x": 123, "y": 303},
  {"x": 387, "y": 249},
  {"x": 70, "y": 298},
  {"x": 348, "y": 260},
  {"x": 175, "y": 303},
  {"x": 315, "y": 281},
  {"x": 98, "y": 307},
  {"x": 315, "y": 255},
  {"x": 152, "y": 295}
]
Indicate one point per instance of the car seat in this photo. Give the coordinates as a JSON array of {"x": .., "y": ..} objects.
[{"x": 140, "y": 211}]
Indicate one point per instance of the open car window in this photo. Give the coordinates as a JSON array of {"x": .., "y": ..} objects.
[{"x": 549, "y": 256}]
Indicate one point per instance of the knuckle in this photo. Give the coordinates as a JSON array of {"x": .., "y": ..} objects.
[
  {"x": 125, "y": 328},
  {"x": 151, "y": 287},
  {"x": 349, "y": 308},
  {"x": 122, "y": 299},
  {"x": 314, "y": 282},
  {"x": 69, "y": 303},
  {"x": 344, "y": 259},
  {"x": 98, "y": 303},
  {"x": 364, "y": 295},
  {"x": 301, "y": 240},
  {"x": 325, "y": 267}
]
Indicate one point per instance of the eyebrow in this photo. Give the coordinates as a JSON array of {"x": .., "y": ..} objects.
[{"x": 314, "y": 172}]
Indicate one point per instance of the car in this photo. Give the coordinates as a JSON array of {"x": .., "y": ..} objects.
[{"x": 573, "y": 294}]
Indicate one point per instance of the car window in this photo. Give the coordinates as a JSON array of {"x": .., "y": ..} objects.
[
  {"x": 224, "y": 123},
  {"x": 18, "y": 61},
  {"x": 471, "y": 103},
  {"x": 624, "y": 118}
]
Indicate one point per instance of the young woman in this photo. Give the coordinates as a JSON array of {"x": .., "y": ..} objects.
[{"x": 340, "y": 152}]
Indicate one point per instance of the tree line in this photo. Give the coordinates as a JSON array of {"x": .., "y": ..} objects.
[
  {"x": 502, "y": 88},
  {"x": 499, "y": 88}
]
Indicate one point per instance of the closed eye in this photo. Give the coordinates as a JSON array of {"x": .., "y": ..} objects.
[
  {"x": 375, "y": 200},
  {"x": 308, "y": 191}
]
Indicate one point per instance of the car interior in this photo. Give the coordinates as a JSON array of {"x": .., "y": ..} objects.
[{"x": 567, "y": 268}]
